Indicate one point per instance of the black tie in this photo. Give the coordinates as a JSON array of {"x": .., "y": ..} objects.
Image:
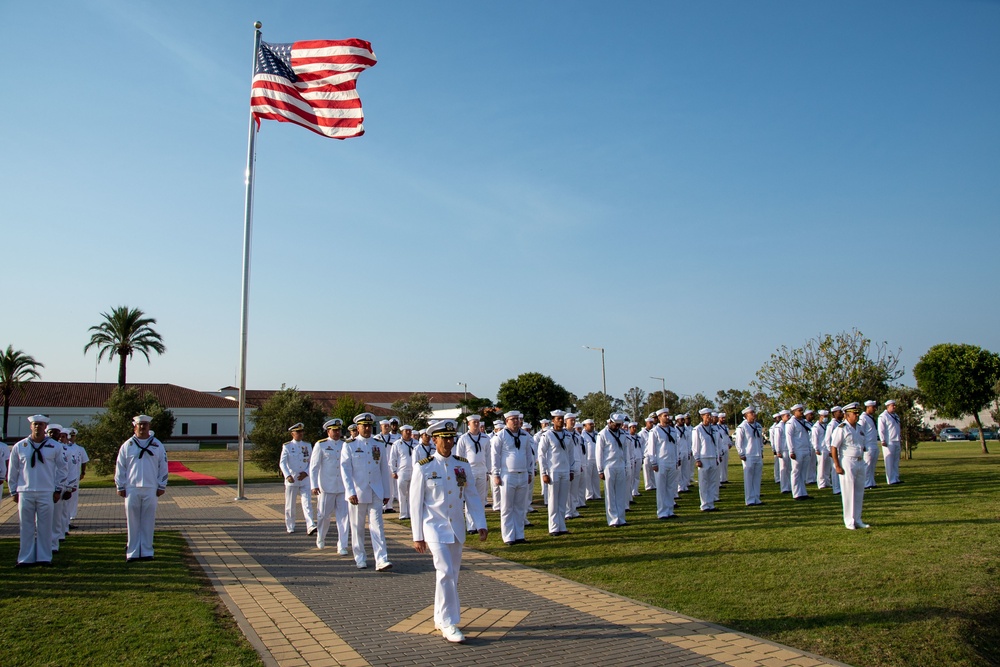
[{"x": 37, "y": 451}]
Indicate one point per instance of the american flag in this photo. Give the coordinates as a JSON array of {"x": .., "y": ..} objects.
[{"x": 313, "y": 84}]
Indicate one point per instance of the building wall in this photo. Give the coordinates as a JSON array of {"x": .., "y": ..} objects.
[{"x": 198, "y": 420}]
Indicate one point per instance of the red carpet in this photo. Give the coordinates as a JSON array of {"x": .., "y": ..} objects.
[{"x": 183, "y": 471}]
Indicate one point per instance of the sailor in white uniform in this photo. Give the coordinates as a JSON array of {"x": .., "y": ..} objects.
[
  {"x": 57, "y": 434},
  {"x": 705, "y": 450},
  {"x": 784, "y": 452},
  {"x": 424, "y": 446},
  {"x": 294, "y": 466},
  {"x": 494, "y": 487},
  {"x": 576, "y": 485},
  {"x": 799, "y": 450},
  {"x": 775, "y": 437},
  {"x": 817, "y": 436},
  {"x": 591, "y": 480},
  {"x": 613, "y": 459},
  {"x": 556, "y": 460},
  {"x": 683, "y": 429},
  {"x": 141, "y": 478},
  {"x": 365, "y": 469},
  {"x": 474, "y": 447},
  {"x": 836, "y": 417},
  {"x": 35, "y": 477},
  {"x": 664, "y": 452},
  {"x": 750, "y": 448},
  {"x": 74, "y": 502},
  {"x": 725, "y": 444},
  {"x": 870, "y": 430},
  {"x": 512, "y": 457},
  {"x": 440, "y": 496},
  {"x": 401, "y": 467},
  {"x": 327, "y": 485},
  {"x": 889, "y": 434},
  {"x": 648, "y": 474},
  {"x": 4, "y": 460},
  {"x": 847, "y": 448},
  {"x": 810, "y": 416}
]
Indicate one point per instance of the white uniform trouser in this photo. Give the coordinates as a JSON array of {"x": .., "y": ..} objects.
[
  {"x": 301, "y": 489},
  {"x": 480, "y": 477},
  {"x": 724, "y": 466},
  {"x": 140, "y": 515},
  {"x": 648, "y": 474},
  {"x": 331, "y": 506},
  {"x": 392, "y": 492},
  {"x": 753, "y": 470},
  {"x": 687, "y": 473},
  {"x": 576, "y": 494},
  {"x": 785, "y": 470},
  {"x": 811, "y": 467},
  {"x": 402, "y": 486},
  {"x": 514, "y": 495},
  {"x": 852, "y": 486},
  {"x": 447, "y": 562},
  {"x": 497, "y": 492},
  {"x": 74, "y": 504},
  {"x": 871, "y": 460},
  {"x": 800, "y": 472},
  {"x": 824, "y": 464},
  {"x": 592, "y": 479},
  {"x": 34, "y": 511},
  {"x": 616, "y": 495},
  {"x": 558, "y": 498},
  {"x": 60, "y": 521},
  {"x": 708, "y": 482},
  {"x": 666, "y": 485},
  {"x": 545, "y": 493},
  {"x": 777, "y": 469},
  {"x": 376, "y": 530},
  {"x": 890, "y": 455}
]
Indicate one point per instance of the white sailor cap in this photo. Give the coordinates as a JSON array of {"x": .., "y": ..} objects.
[
  {"x": 142, "y": 419},
  {"x": 662, "y": 411},
  {"x": 713, "y": 413},
  {"x": 420, "y": 431},
  {"x": 333, "y": 423},
  {"x": 809, "y": 411},
  {"x": 497, "y": 422},
  {"x": 72, "y": 431},
  {"x": 55, "y": 427},
  {"x": 473, "y": 418},
  {"x": 775, "y": 415},
  {"x": 705, "y": 411},
  {"x": 823, "y": 413},
  {"x": 544, "y": 421},
  {"x": 836, "y": 408},
  {"x": 527, "y": 426},
  {"x": 558, "y": 413},
  {"x": 405, "y": 427},
  {"x": 40, "y": 419},
  {"x": 445, "y": 428},
  {"x": 797, "y": 406},
  {"x": 394, "y": 420},
  {"x": 684, "y": 415},
  {"x": 364, "y": 418},
  {"x": 383, "y": 422},
  {"x": 870, "y": 404},
  {"x": 783, "y": 413},
  {"x": 570, "y": 415},
  {"x": 747, "y": 409},
  {"x": 852, "y": 407},
  {"x": 721, "y": 414},
  {"x": 650, "y": 419},
  {"x": 587, "y": 421},
  {"x": 617, "y": 418},
  {"x": 631, "y": 424},
  {"x": 891, "y": 401},
  {"x": 298, "y": 426},
  {"x": 511, "y": 414}
]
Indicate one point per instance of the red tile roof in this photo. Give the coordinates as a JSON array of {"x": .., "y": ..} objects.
[
  {"x": 326, "y": 399},
  {"x": 96, "y": 394}
]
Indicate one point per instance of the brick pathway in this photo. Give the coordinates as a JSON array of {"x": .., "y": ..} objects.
[{"x": 302, "y": 606}]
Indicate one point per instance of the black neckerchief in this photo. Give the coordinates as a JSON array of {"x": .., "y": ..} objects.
[
  {"x": 755, "y": 428},
  {"x": 37, "y": 451},
  {"x": 614, "y": 434},
  {"x": 894, "y": 417},
  {"x": 517, "y": 437},
  {"x": 709, "y": 431},
  {"x": 476, "y": 441},
  {"x": 666, "y": 432},
  {"x": 143, "y": 450},
  {"x": 561, "y": 438},
  {"x": 409, "y": 446}
]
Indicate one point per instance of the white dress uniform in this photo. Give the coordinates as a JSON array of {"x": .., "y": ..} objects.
[
  {"x": 35, "y": 473},
  {"x": 797, "y": 440},
  {"x": 556, "y": 459},
  {"x": 439, "y": 500},
  {"x": 750, "y": 447},
  {"x": 366, "y": 475},
  {"x": 591, "y": 478},
  {"x": 577, "y": 485},
  {"x": 664, "y": 453},
  {"x": 849, "y": 443},
  {"x": 64, "y": 508},
  {"x": 387, "y": 440},
  {"x": 704, "y": 448},
  {"x": 476, "y": 450},
  {"x": 613, "y": 459},
  {"x": 325, "y": 475},
  {"x": 687, "y": 458},
  {"x": 870, "y": 430},
  {"x": 811, "y": 465},
  {"x": 421, "y": 451},
  {"x": 401, "y": 465},
  {"x": 725, "y": 443},
  {"x": 74, "y": 502},
  {"x": 294, "y": 460},
  {"x": 495, "y": 489},
  {"x": 648, "y": 476},
  {"x": 512, "y": 457},
  {"x": 774, "y": 436},
  {"x": 4, "y": 460},
  {"x": 817, "y": 438},
  {"x": 889, "y": 433},
  {"x": 636, "y": 467},
  {"x": 834, "y": 477},
  {"x": 141, "y": 471},
  {"x": 784, "y": 457}
]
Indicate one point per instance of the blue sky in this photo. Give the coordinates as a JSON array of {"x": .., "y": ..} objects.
[{"x": 689, "y": 185}]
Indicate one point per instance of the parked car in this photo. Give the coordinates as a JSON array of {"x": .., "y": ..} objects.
[
  {"x": 987, "y": 433},
  {"x": 952, "y": 433}
]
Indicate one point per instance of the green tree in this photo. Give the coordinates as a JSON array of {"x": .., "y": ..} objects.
[
  {"x": 597, "y": 406},
  {"x": 655, "y": 401},
  {"x": 414, "y": 410},
  {"x": 633, "y": 402},
  {"x": 829, "y": 369},
  {"x": 732, "y": 402},
  {"x": 477, "y": 406},
  {"x": 123, "y": 332},
  {"x": 911, "y": 418},
  {"x": 16, "y": 368},
  {"x": 958, "y": 380},
  {"x": 103, "y": 435},
  {"x": 346, "y": 408},
  {"x": 273, "y": 418},
  {"x": 534, "y": 394},
  {"x": 692, "y": 404}
]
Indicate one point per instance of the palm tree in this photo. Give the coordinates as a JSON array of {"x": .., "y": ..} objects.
[
  {"x": 16, "y": 368},
  {"x": 124, "y": 331}
]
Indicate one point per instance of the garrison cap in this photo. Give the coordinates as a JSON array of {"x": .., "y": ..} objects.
[
  {"x": 364, "y": 418},
  {"x": 333, "y": 423},
  {"x": 40, "y": 419},
  {"x": 299, "y": 426}
]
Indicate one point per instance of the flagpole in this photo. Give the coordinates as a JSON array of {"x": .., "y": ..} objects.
[{"x": 247, "y": 226}]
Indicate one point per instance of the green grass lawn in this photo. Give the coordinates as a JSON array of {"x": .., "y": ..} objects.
[
  {"x": 91, "y": 608},
  {"x": 225, "y": 467},
  {"x": 921, "y": 587}
]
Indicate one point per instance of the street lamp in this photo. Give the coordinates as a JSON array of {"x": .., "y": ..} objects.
[
  {"x": 663, "y": 383},
  {"x": 465, "y": 394},
  {"x": 604, "y": 377}
]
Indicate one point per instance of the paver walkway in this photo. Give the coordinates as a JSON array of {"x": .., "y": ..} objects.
[{"x": 302, "y": 606}]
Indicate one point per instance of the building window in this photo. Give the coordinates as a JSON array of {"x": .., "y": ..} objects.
[
  {"x": 215, "y": 429},
  {"x": 184, "y": 428}
]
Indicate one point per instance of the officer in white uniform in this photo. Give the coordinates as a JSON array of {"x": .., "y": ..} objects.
[
  {"x": 35, "y": 477},
  {"x": 836, "y": 417},
  {"x": 663, "y": 451},
  {"x": 889, "y": 434},
  {"x": 577, "y": 488},
  {"x": 799, "y": 450},
  {"x": 847, "y": 448},
  {"x": 817, "y": 436},
  {"x": 474, "y": 447},
  {"x": 591, "y": 479},
  {"x": 74, "y": 502},
  {"x": 327, "y": 483},
  {"x": 440, "y": 496},
  {"x": 870, "y": 430},
  {"x": 141, "y": 478},
  {"x": 556, "y": 460},
  {"x": 511, "y": 455},
  {"x": 401, "y": 468},
  {"x": 365, "y": 468},
  {"x": 750, "y": 448},
  {"x": 613, "y": 459},
  {"x": 294, "y": 465},
  {"x": 705, "y": 450}
]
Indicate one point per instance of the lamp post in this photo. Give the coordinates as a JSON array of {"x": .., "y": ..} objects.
[
  {"x": 465, "y": 393},
  {"x": 663, "y": 391},
  {"x": 604, "y": 377}
]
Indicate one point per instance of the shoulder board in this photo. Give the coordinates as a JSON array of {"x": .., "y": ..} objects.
[
  {"x": 842, "y": 424},
  {"x": 323, "y": 440},
  {"x": 459, "y": 458},
  {"x": 424, "y": 461}
]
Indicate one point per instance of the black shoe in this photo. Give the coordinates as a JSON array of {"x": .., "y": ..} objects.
[
  {"x": 555, "y": 534},
  {"x": 23, "y": 564},
  {"x": 145, "y": 558},
  {"x": 311, "y": 531},
  {"x": 72, "y": 526},
  {"x": 471, "y": 532},
  {"x": 510, "y": 544},
  {"x": 521, "y": 541},
  {"x": 786, "y": 491},
  {"x": 44, "y": 563}
]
